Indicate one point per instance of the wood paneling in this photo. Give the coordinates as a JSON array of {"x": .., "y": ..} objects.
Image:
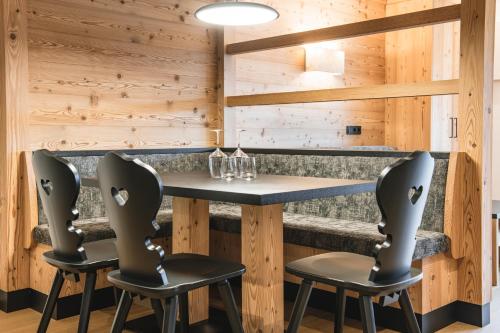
[
  {"x": 408, "y": 59},
  {"x": 317, "y": 124},
  {"x": 134, "y": 74},
  {"x": 14, "y": 261},
  {"x": 445, "y": 66},
  {"x": 364, "y": 28},
  {"x": 475, "y": 114},
  {"x": 348, "y": 94}
]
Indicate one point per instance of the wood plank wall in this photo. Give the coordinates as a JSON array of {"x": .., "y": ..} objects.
[
  {"x": 106, "y": 74},
  {"x": 445, "y": 66},
  {"x": 308, "y": 125},
  {"x": 408, "y": 59},
  {"x": 14, "y": 260},
  {"x": 421, "y": 55}
]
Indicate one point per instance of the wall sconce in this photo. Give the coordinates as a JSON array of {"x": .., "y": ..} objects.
[{"x": 324, "y": 59}]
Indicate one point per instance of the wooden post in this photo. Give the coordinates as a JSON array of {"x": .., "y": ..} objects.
[
  {"x": 262, "y": 254},
  {"x": 475, "y": 119},
  {"x": 190, "y": 234},
  {"x": 14, "y": 260}
]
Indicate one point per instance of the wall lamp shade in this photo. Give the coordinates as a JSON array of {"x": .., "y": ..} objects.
[
  {"x": 325, "y": 60},
  {"x": 236, "y": 13}
]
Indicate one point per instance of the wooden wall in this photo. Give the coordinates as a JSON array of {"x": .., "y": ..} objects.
[
  {"x": 107, "y": 74},
  {"x": 421, "y": 55},
  {"x": 408, "y": 59},
  {"x": 308, "y": 125},
  {"x": 445, "y": 66}
]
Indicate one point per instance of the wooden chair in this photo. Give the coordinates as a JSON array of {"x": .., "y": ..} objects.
[
  {"x": 58, "y": 185},
  {"x": 402, "y": 191},
  {"x": 132, "y": 193}
]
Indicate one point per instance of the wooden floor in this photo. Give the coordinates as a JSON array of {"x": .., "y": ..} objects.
[{"x": 314, "y": 322}]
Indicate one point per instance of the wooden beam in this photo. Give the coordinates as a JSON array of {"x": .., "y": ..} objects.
[
  {"x": 474, "y": 122},
  {"x": 14, "y": 260},
  {"x": 445, "y": 87},
  {"x": 368, "y": 27}
]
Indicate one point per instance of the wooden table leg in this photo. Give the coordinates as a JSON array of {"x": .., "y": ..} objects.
[
  {"x": 190, "y": 234},
  {"x": 262, "y": 254}
]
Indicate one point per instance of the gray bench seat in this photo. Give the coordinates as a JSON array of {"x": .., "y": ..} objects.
[
  {"x": 98, "y": 228},
  {"x": 306, "y": 230}
]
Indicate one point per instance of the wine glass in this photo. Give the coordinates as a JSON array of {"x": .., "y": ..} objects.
[
  {"x": 238, "y": 154},
  {"x": 215, "y": 159}
]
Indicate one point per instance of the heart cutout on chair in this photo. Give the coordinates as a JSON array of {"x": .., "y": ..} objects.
[
  {"x": 47, "y": 186},
  {"x": 120, "y": 196},
  {"x": 414, "y": 193}
]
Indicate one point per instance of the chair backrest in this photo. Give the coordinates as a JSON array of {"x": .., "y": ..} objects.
[
  {"x": 402, "y": 191},
  {"x": 58, "y": 186},
  {"x": 132, "y": 192}
]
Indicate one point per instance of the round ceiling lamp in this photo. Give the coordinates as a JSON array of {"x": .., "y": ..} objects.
[{"x": 235, "y": 13}]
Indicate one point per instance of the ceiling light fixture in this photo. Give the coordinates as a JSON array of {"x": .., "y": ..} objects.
[{"x": 236, "y": 13}]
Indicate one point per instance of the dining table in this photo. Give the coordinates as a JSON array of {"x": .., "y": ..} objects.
[{"x": 261, "y": 201}]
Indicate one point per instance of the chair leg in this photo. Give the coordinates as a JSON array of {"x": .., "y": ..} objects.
[
  {"x": 299, "y": 307},
  {"x": 51, "y": 302},
  {"x": 88, "y": 292},
  {"x": 367, "y": 315},
  {"x": 230, "y": 305},
  {"x": 184, "y": 312},
  {"x": 158, "y": 311},
  {"x": 122, "y": 312},
  {"x": 340, "y": 310},
  {"x": 411, "y": 320},
  {"x": 170, "y": 308}
]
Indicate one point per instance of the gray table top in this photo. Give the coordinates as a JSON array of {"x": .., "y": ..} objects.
[{"x": 265, "y": 190}]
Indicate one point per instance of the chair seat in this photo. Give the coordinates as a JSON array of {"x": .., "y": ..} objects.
[
  {"x": 185, "y": 272},
  {"x": 350, "y": 271},
  {"x": 100, "y": 254}
]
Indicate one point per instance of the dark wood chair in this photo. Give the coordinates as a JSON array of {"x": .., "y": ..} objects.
[
  {"x": 58, "y": 186},
  {"x": 402, "y": 191},
  {"x": 132, "y": 193}
]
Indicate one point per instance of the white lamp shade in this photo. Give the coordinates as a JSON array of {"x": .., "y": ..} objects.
[
  {"x": 319, "y": 59},
  {"x": 236, "y": 13}
]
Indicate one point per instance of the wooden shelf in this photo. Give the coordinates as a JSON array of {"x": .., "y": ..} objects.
[
  {"x": 446, "y": 87},
  {"x": 369, "y": 27}
]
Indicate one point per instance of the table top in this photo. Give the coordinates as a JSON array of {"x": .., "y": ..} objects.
[{"x": 264, "y": 190}]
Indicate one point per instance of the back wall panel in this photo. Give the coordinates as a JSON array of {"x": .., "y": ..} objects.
[
  {"x": 316, "y": 125},
  {"x": 107, "y": 74}
]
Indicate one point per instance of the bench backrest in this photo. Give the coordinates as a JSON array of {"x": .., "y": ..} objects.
[{"x": 338, "y": 164}]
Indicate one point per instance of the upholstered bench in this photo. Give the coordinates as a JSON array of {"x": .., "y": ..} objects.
[{"x": 335, "y": 224}]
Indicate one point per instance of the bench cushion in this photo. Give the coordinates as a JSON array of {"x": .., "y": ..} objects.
[
  {"x": 348, "y": 165},
  {"x": 306, "y": 230},
  {"x": 98, "y": 228}
]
